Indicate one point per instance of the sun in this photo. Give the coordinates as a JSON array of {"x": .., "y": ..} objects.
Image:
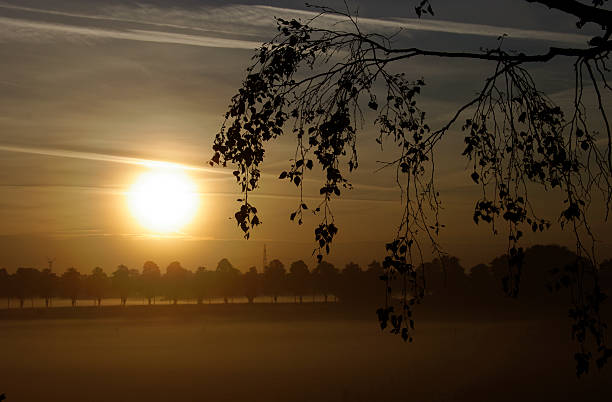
[{"x": 163, "y": 201}]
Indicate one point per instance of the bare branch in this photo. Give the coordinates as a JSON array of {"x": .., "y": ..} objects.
[{"x": 584, "y": 12}]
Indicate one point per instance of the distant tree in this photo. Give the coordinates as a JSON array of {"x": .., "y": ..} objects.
[
  {"x": 605, "y": 270},
  {"x": 326, "y": 277},
  {"x": 375, "y": 289},
  {"x": 71, "y": 285},
  {"x": 322, "y": 79},
  {"x": 251, "y": 284},
  {"x": 26, "y": 281},
  {"x": 446, "y": 279},
  {"x": 48, "y": 286},
  {"x": 203, "y": 282},
  {"x": 545, "y": 265},
  {"x": 98, "y": 285},
  {"x": 176, "y": 281},
  {"x": 227, "y": 279},
  {"x": 274, "y": 277},
  {"x": 542, "y": 267},
  {"x": 122, "y": 283},
  {"x": 299, "y": 279},
  {"x": 5, "y": 286},
  {"x": 352, "y": 281},
  {"x": 482, "y": 283},
  {"x": 375, "y": 269},
  {"x": 150, "y": 280},
  {"x": 605, "y": 273}
]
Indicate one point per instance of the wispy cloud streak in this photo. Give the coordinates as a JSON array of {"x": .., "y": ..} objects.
[
  {"x": 93, "y": 156},
  {"x": 248, "y": 20},
  {"x": 154, "y": 164},
  {"x": 414, "y": 24},
  {"x": 130, "y": 34},
  {"x": 111, "y": 18}
]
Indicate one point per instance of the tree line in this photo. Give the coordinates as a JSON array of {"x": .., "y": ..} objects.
[
  {"x": 226, "y": 282},
  {"x": 449, "y": 283}
]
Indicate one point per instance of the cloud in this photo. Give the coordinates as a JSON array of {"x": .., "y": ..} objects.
[
  {"x": 35, "y": 27},
  {"x": 415, "y": 24},
  {"x": 93, "y": 156},
  {"x": 227, "y": 22},
  {"x": 109, "y": 18}
]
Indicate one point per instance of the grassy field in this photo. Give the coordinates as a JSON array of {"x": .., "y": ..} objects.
[{"x": 282, "y": 352}]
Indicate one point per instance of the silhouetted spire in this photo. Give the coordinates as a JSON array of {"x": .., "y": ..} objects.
[{"x": 265, "y": 259}]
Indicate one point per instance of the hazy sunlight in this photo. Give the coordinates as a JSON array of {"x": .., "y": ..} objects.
[{"x": 163, "y": 200}]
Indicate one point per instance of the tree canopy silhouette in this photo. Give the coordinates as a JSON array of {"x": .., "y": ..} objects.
[
  {"x": 274, "y": 279},
  {"x": 98, "y": 284},
  {"x": 299, "y": 279},
  {"x": 317, "y": 81},
  {"x": 227, "y": 278},
  {"x": 150, "y": 280}
]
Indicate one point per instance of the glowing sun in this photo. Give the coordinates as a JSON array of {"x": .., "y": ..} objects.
[{"x": 163, "y": 201}]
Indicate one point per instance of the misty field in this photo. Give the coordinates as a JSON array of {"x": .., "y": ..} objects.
[{"x": 281, "y": 352}]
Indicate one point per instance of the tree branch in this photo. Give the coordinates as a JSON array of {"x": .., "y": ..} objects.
[
  {"x": 498, "y": 55},
  {"x": 586, "y": 13}
]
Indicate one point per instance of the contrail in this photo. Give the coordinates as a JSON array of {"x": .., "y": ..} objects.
[
  {"x": 221, "y": 19},
  {"x": 150, "y": 163},
  {"x": 93, "y": 156},
  {"x": 114, "y": 19},
  {"x": 133, "y": 34},
  {"x": 451, "y": 27}
]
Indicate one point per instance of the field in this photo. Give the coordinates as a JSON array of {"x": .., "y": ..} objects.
[{"x": 284, "y": 352}]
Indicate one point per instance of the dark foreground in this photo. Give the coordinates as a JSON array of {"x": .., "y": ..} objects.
[{"x": 282, "y": 353}]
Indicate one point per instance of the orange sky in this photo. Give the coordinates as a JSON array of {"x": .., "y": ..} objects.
[{"x": 88, "y": 90}]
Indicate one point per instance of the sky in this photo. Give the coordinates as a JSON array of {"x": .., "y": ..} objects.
[{"x": 95, "y": 93}]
